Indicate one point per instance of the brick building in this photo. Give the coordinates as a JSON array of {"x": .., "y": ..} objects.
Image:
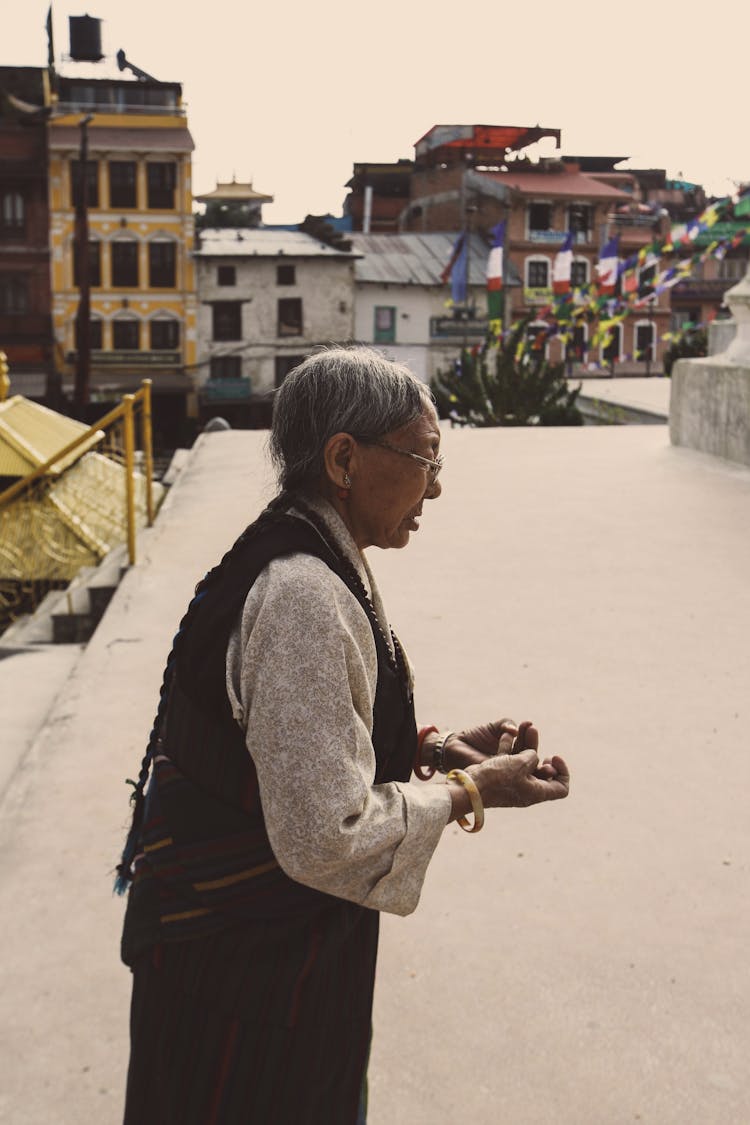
[
  {"x": 25, "y": 300},
  {"x": 472, "y": 177}
]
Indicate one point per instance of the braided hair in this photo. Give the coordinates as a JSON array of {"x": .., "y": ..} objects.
[{"x": 124, "y": 868}]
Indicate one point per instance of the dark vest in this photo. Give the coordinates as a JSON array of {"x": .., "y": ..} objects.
[{"x": 204, "y": 861}]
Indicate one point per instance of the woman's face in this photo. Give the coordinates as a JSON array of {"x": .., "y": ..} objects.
[{"x": 388, "y": 489}]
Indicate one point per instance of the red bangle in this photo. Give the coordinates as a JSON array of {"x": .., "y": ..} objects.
[{"x": 421, "y": 773}]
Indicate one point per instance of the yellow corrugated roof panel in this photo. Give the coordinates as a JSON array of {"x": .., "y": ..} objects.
[{"x": 30, "y": 434}]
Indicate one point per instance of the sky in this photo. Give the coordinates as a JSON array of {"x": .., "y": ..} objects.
[{"x": 290, "y": 96}]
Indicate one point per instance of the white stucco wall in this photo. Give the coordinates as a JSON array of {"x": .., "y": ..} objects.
[
  {"x": 415, "y": 306},
  {"x": 325, "y": 286}
]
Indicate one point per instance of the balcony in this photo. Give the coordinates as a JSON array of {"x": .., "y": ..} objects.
[
  {"x": 698, "y": 289},
  {"x": 130, "y": 358},
  {"x": 631, "y": 219}
]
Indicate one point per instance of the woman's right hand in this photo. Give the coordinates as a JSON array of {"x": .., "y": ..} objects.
[
  {"x": 519, "y": 780},
  {"x": 516, "y": 780}
]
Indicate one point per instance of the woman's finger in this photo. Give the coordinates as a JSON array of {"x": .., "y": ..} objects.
[{"x": 505, "y": 743}]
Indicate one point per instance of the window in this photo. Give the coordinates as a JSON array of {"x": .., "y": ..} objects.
[
  {"x": 579, "y": 273},
  {"x": 286, "y": 275},
  {"x": 161, "y": 180},
  {"x": 537, "y": 273},
  {"x": 126, "y": 335},
  {"x": 122, "y": 183},
  {"x": 125, "y": 264},
  {"x": 732, "y": 269},
  {"x": 579, "y": 219},
  {"x": 95, "y": 264},
  {"x": 540, "y": 217},
  {"x": 644, "y": 342},
  {"x": 685, "y": 318},
  {"x": 14, "y": 294},
  {"x": 165, "y": 334},
  {"x": 612, "y": 348},
  {"x": 95, "y": 335},
  {"x": 226, "y": 275},
  {"x": 227, "y": 320},
  {"x": 226, "y": 367},
  {"x": 284, "y": 364},
  {"x": 575, "y": 349},
  {"x": 92, "y": 178},
  {"x": 12, "y": 215},
  {"x": 289, "y": 316},
  {"x": 385, "y": 324},
  {"x": 162, "y": 265}
]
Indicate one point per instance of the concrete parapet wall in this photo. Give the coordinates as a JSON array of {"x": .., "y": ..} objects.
[
  {"x": 710, "y": 407},
  {"x": 721, "y": 333}
]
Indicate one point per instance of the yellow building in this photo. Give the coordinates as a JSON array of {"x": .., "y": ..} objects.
[{"x": 143, "y": 300}]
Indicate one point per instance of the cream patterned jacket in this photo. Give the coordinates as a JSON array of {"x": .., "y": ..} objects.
[{"x": 301, "y": 676}]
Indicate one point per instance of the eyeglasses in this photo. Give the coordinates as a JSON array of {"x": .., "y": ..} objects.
[{"x": 433, "y": 467}]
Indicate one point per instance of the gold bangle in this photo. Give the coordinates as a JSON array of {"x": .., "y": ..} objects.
[{"x": 462, "y": 777}]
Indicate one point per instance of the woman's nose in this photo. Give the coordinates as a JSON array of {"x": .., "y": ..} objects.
[{"x": 433, "y": 490}]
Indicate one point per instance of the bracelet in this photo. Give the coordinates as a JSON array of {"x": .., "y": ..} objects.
[
  {"x": 477, "y": 807},
  {"x": 439, "y": 751},
  {"x": 423, "y": 773}
]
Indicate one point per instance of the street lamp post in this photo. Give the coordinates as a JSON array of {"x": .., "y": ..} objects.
[{"x": 83, "y": 315}]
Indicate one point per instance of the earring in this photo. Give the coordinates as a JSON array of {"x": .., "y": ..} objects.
[{"x": 343, "y": 493}]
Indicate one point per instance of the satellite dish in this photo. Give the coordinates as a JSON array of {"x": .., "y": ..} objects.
[{"x": 125, "y": 64}]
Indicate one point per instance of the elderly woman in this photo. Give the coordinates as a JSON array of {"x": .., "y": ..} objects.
[{"x": 280, "y": 817}]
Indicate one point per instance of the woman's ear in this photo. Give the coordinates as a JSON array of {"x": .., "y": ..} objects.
[{"x": 337, "y": 458}]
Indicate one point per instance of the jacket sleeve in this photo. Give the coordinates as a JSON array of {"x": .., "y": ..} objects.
[{"x": 301, "y": 677}]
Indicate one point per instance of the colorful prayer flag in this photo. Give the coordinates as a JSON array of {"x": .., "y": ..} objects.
[
  {"x": 456, "y": 270},
  {"x": 607, "y": 266},
  {"x": 495, "y": 273},
  {"x": 563, "y": 266}
]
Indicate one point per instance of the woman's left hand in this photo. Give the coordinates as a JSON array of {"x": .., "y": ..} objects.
[{"x": 471, "y": 747}]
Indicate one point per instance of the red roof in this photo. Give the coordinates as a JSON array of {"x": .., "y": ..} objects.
[
  {"x": 451, "y": 141},
  {"x": 574, "y": 184}
]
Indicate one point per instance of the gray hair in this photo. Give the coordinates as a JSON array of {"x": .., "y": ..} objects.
[{"x": 340, "y": 390}]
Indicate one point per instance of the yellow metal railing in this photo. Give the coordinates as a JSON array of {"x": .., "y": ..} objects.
[{"x": 54, "y": 523}]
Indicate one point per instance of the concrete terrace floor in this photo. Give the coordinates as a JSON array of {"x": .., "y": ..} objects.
[
  {"x": 582, "y": 963},
  {"x": 650, "y": 395}
]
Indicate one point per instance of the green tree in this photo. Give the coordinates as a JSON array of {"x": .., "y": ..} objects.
[
  {"x": 507, "y": 386},
  {"x": 691, "y": 343}
]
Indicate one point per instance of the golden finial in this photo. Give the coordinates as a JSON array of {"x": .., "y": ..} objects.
[{"x": 4, "y": 377}]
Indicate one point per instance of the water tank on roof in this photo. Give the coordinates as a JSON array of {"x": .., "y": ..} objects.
[{"x": 85, "y": 38}]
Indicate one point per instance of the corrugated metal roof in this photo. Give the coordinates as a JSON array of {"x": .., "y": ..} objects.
[
  {"x": 247, "y": 242},
  {"x": 31, "y": 433},
  {"x": 418, "y": 259}
]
